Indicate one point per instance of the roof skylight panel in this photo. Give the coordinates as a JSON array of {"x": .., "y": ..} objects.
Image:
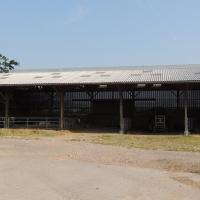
[
  {"x": 38, "y": 77},
  {"x": 85, "y": 75},
  {"x": 56, "y": 76}
]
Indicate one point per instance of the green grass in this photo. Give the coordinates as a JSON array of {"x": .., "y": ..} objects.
[{"x": 154, "y": 142}]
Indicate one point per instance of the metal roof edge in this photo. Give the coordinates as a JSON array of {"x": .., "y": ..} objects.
[{"x": 137, "y": 67}]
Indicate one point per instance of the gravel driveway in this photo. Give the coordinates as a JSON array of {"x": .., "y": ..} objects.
[{"x": 59, "y": 169}]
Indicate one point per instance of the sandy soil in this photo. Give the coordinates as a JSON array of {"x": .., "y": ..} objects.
[{"x": 59, "y": 169}]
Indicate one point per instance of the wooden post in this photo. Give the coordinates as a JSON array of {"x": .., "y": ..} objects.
[
  {"x": 62, "y": 101},
  {"x": 7, "y": 124},
  {"x": 6, "y": 95},
  {"x": 121, "y": 112},
  {"x": 186, "y": 131}
]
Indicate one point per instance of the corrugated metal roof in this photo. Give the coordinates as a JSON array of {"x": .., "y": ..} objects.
[{"x": 148, "y": 74}]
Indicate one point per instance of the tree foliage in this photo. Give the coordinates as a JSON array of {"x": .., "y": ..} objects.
[{"x": 6, "y": 64}]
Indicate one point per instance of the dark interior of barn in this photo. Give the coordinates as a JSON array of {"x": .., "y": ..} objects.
[{"x": 153, "y": 108}]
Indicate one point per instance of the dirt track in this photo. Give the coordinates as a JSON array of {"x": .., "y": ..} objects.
[{"x": 59, "y": 169}]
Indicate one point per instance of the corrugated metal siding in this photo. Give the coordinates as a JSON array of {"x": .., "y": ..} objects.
[{"x": 105, "y": 76}]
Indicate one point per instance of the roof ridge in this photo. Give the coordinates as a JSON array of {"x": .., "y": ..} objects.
[{"x": 137, "y": 67}]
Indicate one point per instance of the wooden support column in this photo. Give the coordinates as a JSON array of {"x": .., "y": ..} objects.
[
  {"x": 6, "y": 95},
  {"x": 121, "y": 112},
  {"x": 62, "y": 108},
  {"x": 186, "y": 131},
  {"x": 7, "y": 123}
]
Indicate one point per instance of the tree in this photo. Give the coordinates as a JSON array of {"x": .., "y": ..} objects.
[{"x": 6, "y": 64}]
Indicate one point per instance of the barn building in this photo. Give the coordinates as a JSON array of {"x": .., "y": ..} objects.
[{"x": 151, "y": 98}]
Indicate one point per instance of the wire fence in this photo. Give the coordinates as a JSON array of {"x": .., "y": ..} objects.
[{"x": 38, "y": 122}]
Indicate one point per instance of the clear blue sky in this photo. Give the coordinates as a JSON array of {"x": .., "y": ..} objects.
[{"x": 86, "y": 33}]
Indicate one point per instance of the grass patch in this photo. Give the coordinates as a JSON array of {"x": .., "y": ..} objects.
[
  {"x": 34, "y": 133},
  {"x": 154, "y": 142}
]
